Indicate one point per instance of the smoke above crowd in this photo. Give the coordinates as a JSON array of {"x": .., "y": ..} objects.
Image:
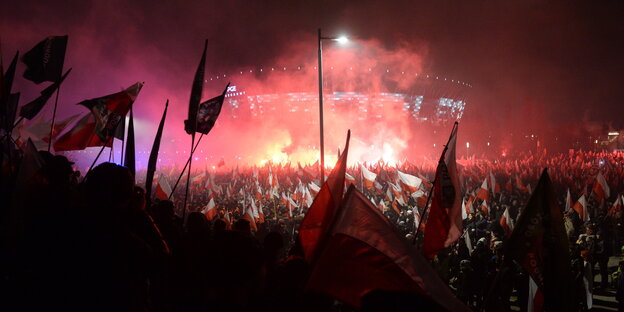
[{"x": 534, "y": 72}]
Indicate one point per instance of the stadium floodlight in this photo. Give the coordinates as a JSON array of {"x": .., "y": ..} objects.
[{"x": 342, "y": 40}]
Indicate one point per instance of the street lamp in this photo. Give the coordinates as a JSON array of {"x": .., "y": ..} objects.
[{"x": 342, "y": 40}]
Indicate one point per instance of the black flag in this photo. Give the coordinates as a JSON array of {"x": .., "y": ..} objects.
[
  {"x": 151, "y": 165},
  {"x": 208, "y": 112},
  {"x": 45, "y": 61},
  {"x": 196, "y": 93},
  {"x": 30, "y": 110},
  {"x": 129, "y": 155},
  {"x": 539, "y": 244},
  {"x": 7, "y": 81},
  {"x": 8, "y": 101},
  {"x": 10, "y": 110}
]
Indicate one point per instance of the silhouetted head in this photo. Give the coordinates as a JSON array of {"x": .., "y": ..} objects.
[
  {"x": 242, "y": 225},
  {"x": 109, "y": 186},
  {"x": 219, "y": 225},
  {"x": 197, "y": 223}
]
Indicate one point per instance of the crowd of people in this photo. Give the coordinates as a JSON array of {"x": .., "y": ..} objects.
[{"x": 98, "y": 242}]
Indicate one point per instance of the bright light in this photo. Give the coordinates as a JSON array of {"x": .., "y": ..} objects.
[
  {"x": 342, "y": 39},
  {"x": 467, "y": 144},
  {"x": 614, "y": 133},
  {"x": 488, "y": 143}
]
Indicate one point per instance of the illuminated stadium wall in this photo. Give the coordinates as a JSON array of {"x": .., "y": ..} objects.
[{"x": 430, "y": 99}]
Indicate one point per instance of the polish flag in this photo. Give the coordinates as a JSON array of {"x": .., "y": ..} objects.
[
  {"x": 568, "y": 203},
  {"x": 412, "y": 183},
  {"x": 210, "y": 210},
  {"x": 364, "y": 251},
  {"x": 617, "y": 207},
  {"x": 485, "y": 208},
  {"x": 163, "y": 189},
  {"x": 581, "y": 208},
  {"x": 601, "y": 188},
  {"x": 369, "y": 177},
  {"x": 483, "y": 192},
  {"x": 536, "y": 298},
  {"x": 349, "y": 179},
  {"x": 506, "y": 222}
]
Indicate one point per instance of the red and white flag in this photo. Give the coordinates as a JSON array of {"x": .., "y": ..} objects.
[
  {"x": 581, "y": 208},
  {"x": 601, "y": 188},
  {"x": 360, "y": 242},
  {"x": 368, "y": 177},
  {"x": 410, "y": 182},
  {"x": 163, "y": 189},
  {"x": 506, "y": 222},
  {"x": 210, "y": 211},
  {"x": 536, "y": 298},
  {"x": 444, "y": 223},
  {"x": 483, "y": 192},
  {"x": 568, "y": 203},
  {"x": 319, "y": 217},
  {"x": 485, "y": 208}
]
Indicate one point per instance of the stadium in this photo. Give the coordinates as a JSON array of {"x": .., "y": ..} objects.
[{"x": 404, "y": 106}]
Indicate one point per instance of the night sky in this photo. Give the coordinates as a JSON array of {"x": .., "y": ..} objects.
[{"x": 536, "y": 66}]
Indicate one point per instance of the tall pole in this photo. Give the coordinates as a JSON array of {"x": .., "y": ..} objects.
[
  {"x": 320, "y": 75},
  {"x": 58, "y": 90},
  {"x": 188, "y": 176}
]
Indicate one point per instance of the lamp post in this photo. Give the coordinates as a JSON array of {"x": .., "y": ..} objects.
[{"x": 341, "y": 39}]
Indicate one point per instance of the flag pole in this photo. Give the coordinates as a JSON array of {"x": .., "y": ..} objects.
[
  {"x": 184, "y": 169},
  {"x": 98, "y": 155},
  {"x": 58, "y": 90},
  {"x": 123, "y": 143}
]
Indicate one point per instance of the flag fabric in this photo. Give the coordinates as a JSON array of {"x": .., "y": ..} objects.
[
  {"x": 129, "y": 157},
  {"x": 318, "y": 218},
  {"x": 368, "y": 177},
  {"x": 248, "y": 215},
  {"x": 536, "y": 298},
  {"x": 163, "y": 189},
  {"x": 616, "y": 207},
  {"x": 468, "y": 242},
  {"x": 568, "y": 202},
  {"x": 581, "y": 208},
  {"x": 349, "y": 178},
  {"x": 10, "y": 109},
  {"x": 506, "y": 222},
  {"x": 6, "y": 84},
  {"x": 465, "y": 212},
  {"x": 210, "y": 211},
  {"x": 153, "y": 159},
  {"x": 364, "y": 251},
  {"x": 110, "y": 109},
  {"x": 410, "y": 182},
  {"x": 30, "y": 110},
  {"x": 444, "y": 222},
  {"x": 196, "y": 93},
  {"x": 39, "y": 131},
  {"x": 483, "y": 192},
  {"x": 208, "y": 112},
  {"x": 485, "y": 208},
  {"x": 81, "y": 136},
  {"x": 601, "y": 188},
  {"x": 539, "y": 243},
  {"x": 45, "y": 61},
  {"x": 494, "y": 186},
  {"x": 8, "y": 100}
]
